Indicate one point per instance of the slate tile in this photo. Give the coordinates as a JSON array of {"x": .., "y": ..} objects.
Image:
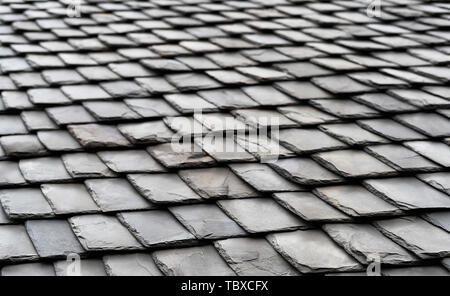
[
  {"x": 263, "y": 178},
  {"x": 439, "y": 219},
  {"x": 37, "y": 120},
  {"x": 85, "y": 92},
  {"x": 352, "y": 134},
  {"x": 416, "y": 235},
  {"x": 305, "y": 248},
  {"x": 227, "y": 98},
  {"x": 230, "y": 77},
  {"x": 131, "y": 265},
  {"x": 62, "y": 77},
  {"x": 390, "y": 129},
  {"x": 195, "y": 261},
  {"x": 262, "y": 147},
  {"x": 16, "y": 245},
  {"x": 97, "y": 73},
  {"x": 344, "y": 108},
  {"x": 309, "y": 207},
  {"x": 151, "y": 108},
  {"x": 302, "y": 90},
  {"x": 11, "y": 125},
  {"x": 123, "y": 88},
  {"x": 212, "y": 183},
  {"x": 150, "y": 132},
  {"x": 130, "y": 70},
  {"x": 45, "y": 169},
  {"x": 419, "y": 98},
  {"x": 223, "y": 149},
  {"x": 165, "y": 65},
  {"x": 437, "y": 152},
  {"x": 53, "y": 238},
  {"x": 356, "y": 201},
  {"x": 10, "y": 174},
  {"x": 303, "y": 70},
  {"x": 16, "y": 100},
  {"x": 28, "y": 79},
  {"x": 49, "y": 96},
  {"x": 409, "y": 76},
  {"x": 198, "y": 63},
  {"x": 85, "y": 165},
  {"x": 401, "y": 158},
  {"x": 88, "y": 267},
  {"x": 190, "y": 103},
  {"x": 102, "y": 233},
  {"x": 110, "y": 111},
  {"x": 431, "y": 124},
  {"x": 300, "y": 52},
  {"x": 253, "y": 257},
  {"x": 22, "y": 145},
  {"x": 163, "y": 188},
  {"x": 156, "y": 228},
  {"x": 439, "y": 181},
  {"x": 156, "y": 85},
  {"x": 25, "y": 203},
  {"x": 408, "y": 193},
  {"x": 304, "y": 171},
  {"x": 263, "y": 73},
  {"x": 58, "y": 140},
  {"x": 180, "y": 155},
  {"x": 307, "y": 140},
  {"x": 343, "y": 162},
  {"x": 98, "y": 136},
  {"x": 251, "y": 215},
  {"x": 116, "y": 194},
  {"x": 70, "y": 115},
  {"x": 267, "y": 96},
  {"x": 230, "y": 59},
  {"x": 28, "y": 269},
  {"x": 69, "y": 198},
  {"x": 207, "y": 221},
  {"x": 306, "y": 115},
  {"x": 340, "y": 84},
  {"x": 367, "y": 244},
  {"x": 4, "y": 218},
  {"x": 130, "y": 161}
]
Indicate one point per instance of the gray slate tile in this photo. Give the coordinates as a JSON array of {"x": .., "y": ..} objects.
[
  {"x": 131, "y": 265},
  {"x": 130, "y": 161},
  {"x": 85, "y": 165},
  {"x": 88, "y": 267},
  {"x": 15, "y": 244},
  {"x": 69, "y": 198},
  {"x": 45, "y": 169},
  {"x": 25, "y": 203},
  {"x": 29, "y": 269}
]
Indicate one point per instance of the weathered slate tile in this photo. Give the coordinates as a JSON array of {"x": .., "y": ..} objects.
[
  {"x": 195, "y": 261},
  {"x": 341, "y": 84},
  {"x": 11, "y": 125},
  {"x": 98, "y": 136},
  {"x": 15, "y": 245},
  {"x": 151, "y": 132},
  {"x": 263, "y": 178},
  {"x": 366, "y": 244},
  {"x": 309, "y": 207},
  {"x": 419, "y": 98},
  {"x": 103, "y": 233},
  {"x": 343, "y": 162},
  {"x": 108, "y": 111},
  {"x": 25, "y": 203},
  {"x": 302, "y": 90},
  {"x": 156, "y": 228},
  {"x": 85, "y": 165},
  {"x": 151, "y": 108},
  {"x": 207, "y": 221},
  {"x": 408, "y": 193},
  {"x": 305, "y": 250},
  {"x": 131, "y": 265},
  {"x": 123, "y": 88},
  {"x": 227, "y": 98},
  {"x": 307, "y": 140},
  {"x": 390, "y": 129},
  {"x": 436, "y": 151},
  {"x": 45, "y": 169},
  {"x": 352, "y": 134},
  {"x": 189, "y": 103},
  {"x": 69, "y": 198},
  {"x": 211, "y": 183},
  {"x": 37, "y": 120},
  {"x": 263, "y": 118},
  {"x": 53, "y": 238},
  {"x": 267, "y": 95},
  {"x": 48, "y": 96},
  {"x": 22, "y": 145},
  {"x": 85, "y": 92},
  {"x": 253, "y": 257},
  {"x": 192, "y": 81},
  {"x": 163, "y": 188},
  {"x": 304, "y": 171},
  {"x": 251, "y": 214},
  {"x": 130, "y": 161},
  {"x": 416, "y": 235},
  {"x": 440, "y": 181},
  {"x": 88, "y": 267},
  {"x": 58, "y": 140},
  {"x": 344, "y": 108},
  {"x": 115, "y": 194},
  {"x": 306, "y": 115},
  {"x": 180, "y": 155},
  {"x": 29, "y": 269},
  {"x": 401, "y": 158},
  {"x": 430, "y": 124},
  {"x": 10, "y": 174},
  {"x": 439, "y": 219},
  {"x": 356, "y": 201}
]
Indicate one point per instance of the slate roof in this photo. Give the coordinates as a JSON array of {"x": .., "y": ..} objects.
[{"x": 89, "y": 106}]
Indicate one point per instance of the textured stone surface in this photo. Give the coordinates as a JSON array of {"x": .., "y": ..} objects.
[
  {"x": 131, "y": 265},
  {"x": 196, "y": 261},
  {"x": 69, "y": 198},
  {"x": 25, "y": 203},
  {"x": 305, "y": 249},
  {"x": 253, "y": 257},
  {"x": 15, "y": 244}
]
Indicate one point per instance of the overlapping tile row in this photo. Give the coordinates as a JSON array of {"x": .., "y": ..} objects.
[{"x": 90, "y": 107}]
